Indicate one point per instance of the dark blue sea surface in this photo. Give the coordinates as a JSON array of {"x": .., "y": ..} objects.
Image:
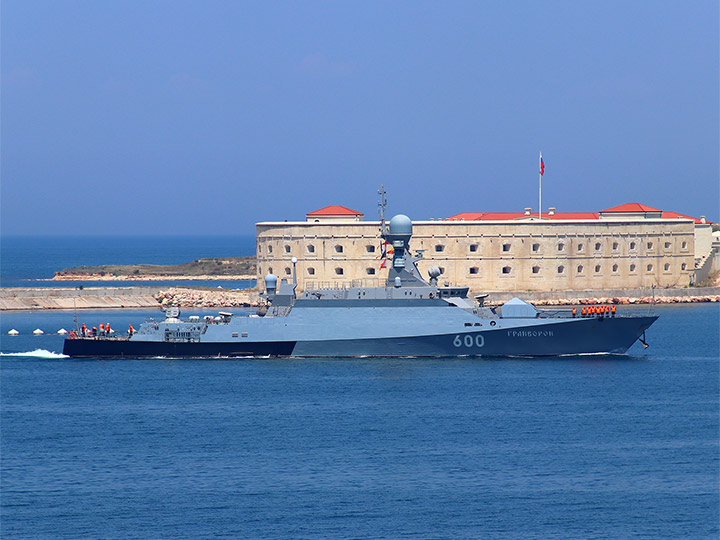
[
  {"x": 30, "y": 261},
  {"x": 582, "y": 447}
]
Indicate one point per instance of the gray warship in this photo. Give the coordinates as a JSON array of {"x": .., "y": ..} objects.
[{"x": 407, "y": 317}]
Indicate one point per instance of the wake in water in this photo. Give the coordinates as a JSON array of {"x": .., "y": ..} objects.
[{"x": 37, "y": 353}]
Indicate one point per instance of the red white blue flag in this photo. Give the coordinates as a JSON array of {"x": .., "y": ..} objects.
[{"x": 542, "y": 165}]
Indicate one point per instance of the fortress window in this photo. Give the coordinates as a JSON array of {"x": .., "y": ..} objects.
[
  {"x": 580, "y": 268},
  {"x": 561, "y": 247},
  {"x": 339, "y": 271},
  {"x": 561, "y": 269},
  {"x": 684, "y": 245},
  {"x": 667, "y": 267},
  {"x": 506, "y": 269},
  {"x": 311, "y": 248},
  {"x": 270, "y": 270},
  {"x": 632, "y": 267},
  {"x": 649, "y": 245},
  {"x": 580, "y": 247},
  {"x": 442, "y": 270},
  {"x": 370, "y": 271},
  {"x": 259, "y": 248},
  {"x": 473, "y": 247},
  {"x": 649, "y": 267},
  {"x": 338, "y": 249},
  {"x": 632, "y": 245},
  {"x": 598, "y": 245},
  {"x": 439, "y": 248},
  {"x": 597, "y": 268},
  {"x": 683, "y": 266},
  {"x": 287, "y": 270},
  {"x": 270, "y": 250},
  {"x": 287, "y": 249},
  {"x": 535, "y": 269},
  {"x": 370, "y": 249},
  {"x": 615, "y": 246},
  {"x": 506, "y": 247},
  {"x": 311, "y": 271},
  {"x": 474, "y": 270},
  {"x": 667, "y": 245},
  {"x": 615, "y": 268},
  {"x": 535, "y": 247}
]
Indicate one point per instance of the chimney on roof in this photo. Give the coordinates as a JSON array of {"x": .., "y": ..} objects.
[
  {"x": 528, "y": 211},
  {"x": 551, "y": 211},
  {"x": 702, "y": 219}
]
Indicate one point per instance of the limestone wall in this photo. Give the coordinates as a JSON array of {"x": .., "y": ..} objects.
[{"x": 496, "y": 256}]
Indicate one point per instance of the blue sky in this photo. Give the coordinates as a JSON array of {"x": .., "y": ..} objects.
[{"x": 171, "y": 117}]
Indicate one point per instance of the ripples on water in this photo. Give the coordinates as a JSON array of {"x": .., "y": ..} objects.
[{"x": 584, "y": 447}]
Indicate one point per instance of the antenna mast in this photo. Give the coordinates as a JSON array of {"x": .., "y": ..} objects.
[{"x": 382, "y": 203}]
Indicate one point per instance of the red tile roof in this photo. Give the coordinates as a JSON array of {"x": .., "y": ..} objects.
[
  {"x": 675, "y": 215},
  {"x": 504, "y": 216},
  {"x": 630, "y": 207},
  {"x": 335, "y": 211}
]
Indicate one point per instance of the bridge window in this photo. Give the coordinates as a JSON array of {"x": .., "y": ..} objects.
[
  {"x": 338, "y": 249},
  {"x": 311, "y": 271},
  {"x": 311, "y": 248},
  {"x": 339, "y": 271},
  {"x": 370, "y": 248},
  {"x": 370, "y": 271},
  {"x": 506, "y": 270},
  {"x": 474, "y": 270}
]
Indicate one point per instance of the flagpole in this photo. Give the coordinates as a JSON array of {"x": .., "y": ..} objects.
[{"x": 540, "y": 187}]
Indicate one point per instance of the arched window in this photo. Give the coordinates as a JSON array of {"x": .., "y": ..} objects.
[
  {"x": 311, "y": 248},
  {"x": 597, "y": 268},
  {"x": 667, "y": 267},
  {"x": 287, "y": 249},
  {"x": 579, "y": 268},
  {"x": 632, "y": 267},
  {"x": 649, "y": 267},
  {"x": 561, "y": 247},
  {"x": 288, "y": 271}
]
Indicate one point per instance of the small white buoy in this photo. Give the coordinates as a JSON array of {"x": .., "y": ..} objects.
[
  {"x": 62, "y": 331},
  {"x": 13, "y": 332},
  {"x": 37, "y": 332}
]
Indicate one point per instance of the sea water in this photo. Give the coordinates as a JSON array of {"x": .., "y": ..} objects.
[{"x": 573, "y": 447}]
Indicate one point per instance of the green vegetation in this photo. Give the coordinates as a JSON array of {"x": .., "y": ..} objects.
[{"x": 226, "y": 266}]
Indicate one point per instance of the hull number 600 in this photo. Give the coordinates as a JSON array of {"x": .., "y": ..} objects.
[{"x": 469, "y": 341}]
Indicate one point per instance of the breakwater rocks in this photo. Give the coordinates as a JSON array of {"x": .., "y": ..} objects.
[{"x": 182, "y": 297}]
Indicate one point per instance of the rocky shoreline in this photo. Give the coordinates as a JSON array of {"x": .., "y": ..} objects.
[
  {"x": 15, "y": 298},
  {"x": 149, "y": 277}
]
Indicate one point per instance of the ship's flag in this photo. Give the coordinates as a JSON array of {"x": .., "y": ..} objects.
[
  {"x": 382, "y": 264},
  {"x": 542, "y": 165}
]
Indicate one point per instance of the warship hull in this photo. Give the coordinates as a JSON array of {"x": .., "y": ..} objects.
[{"x": 522, "y": 338}]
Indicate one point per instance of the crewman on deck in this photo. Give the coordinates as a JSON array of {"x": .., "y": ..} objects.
[
  {"x": 131, "y": 330},
  {"x": 102, "y": 329},
  {"x": 612, "y": 310},
  {"x": 84, "y": 330},
  {"x": 93, "y": 332},
  {"x": 574, "y": 312},
  {"x": 107, "y": 329},
  {"x": 583, "y": 312}
]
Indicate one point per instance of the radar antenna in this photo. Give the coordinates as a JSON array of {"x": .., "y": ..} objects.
[{"x": 382, "y": 203}]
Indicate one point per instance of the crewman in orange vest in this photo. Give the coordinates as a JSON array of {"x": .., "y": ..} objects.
[
  {"x": 84, "y": 330},
  {"x": 107, "y": 329},
  {"x": 131, "y": 330},
  {"x": 574, "y": 312},
  {"x": 612, "y": 310},
  {"x": 102, "y": 329}
]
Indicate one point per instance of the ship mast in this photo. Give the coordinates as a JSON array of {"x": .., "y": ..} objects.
[{"x": 382, "y": 203}]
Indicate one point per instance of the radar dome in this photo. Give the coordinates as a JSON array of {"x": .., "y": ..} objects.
[
  {"x": 271, "y": 282},
  {"x": 401, "y": 225}
]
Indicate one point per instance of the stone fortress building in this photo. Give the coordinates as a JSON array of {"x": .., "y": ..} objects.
[{"x": 627, "y": 246}]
